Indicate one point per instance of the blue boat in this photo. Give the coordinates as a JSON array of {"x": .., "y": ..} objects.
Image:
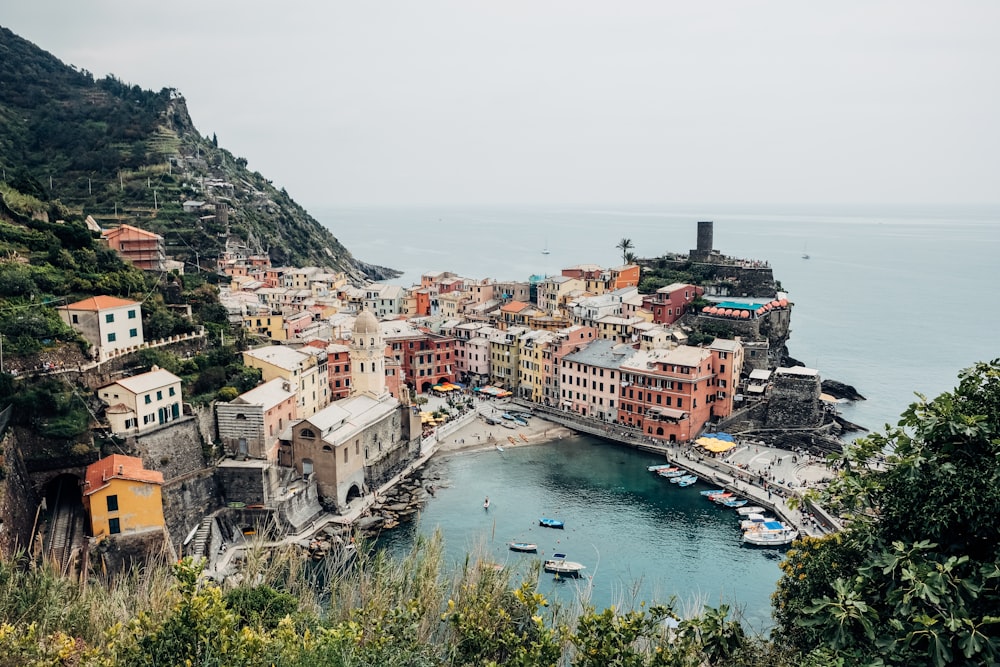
[
  {"x": 735, "y": 503},
  {"x": 687, "y": 481},
  {"x": 550, "y": 523},
  {"x": 678, "y": 480},
  {"x": 712, "y": 492}
]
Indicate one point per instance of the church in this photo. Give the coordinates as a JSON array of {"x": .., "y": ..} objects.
[{"x": 356, "y": 444}]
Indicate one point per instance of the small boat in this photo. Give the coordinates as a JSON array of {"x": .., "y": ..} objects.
[
  {"x": 550, "y": 523},
  {"x": 524, "y": 547},
  {"x": 754, "y": 521},
  {"x": 671, "y": 473},
  {"x": 523, "y": 437},
  {"x": 720, "y": 497},
  {"x": 511, "y": 439},
  {"x": 687, "y": 481},
  {"x": 559, "y": 565},
  {"x": 662, "y": 466},
  {"x": 520, "y": 422},
  {"x": 712, "y": 492},
  {"x": 678, "y": 480},
  {"x": 508, "y": 424},
  {"x": 747, "y": 511},
  {"x": 499, "y": 448},
  {"x": 508, "y": 416},
  {"x": 486, "y": 503},
  {"x": 735, "y": 503},
  {"x": 770, "y": 534}
]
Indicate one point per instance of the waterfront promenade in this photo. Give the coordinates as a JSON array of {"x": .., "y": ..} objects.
[{"x": 764, "y": 475}]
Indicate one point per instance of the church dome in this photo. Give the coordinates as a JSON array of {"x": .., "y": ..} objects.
[{"x": 366, "y": 324}]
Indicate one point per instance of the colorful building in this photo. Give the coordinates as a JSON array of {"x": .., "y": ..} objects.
[
  {"x": 668, "y": 394},
  {"x": 669, "y": 303},
  {"x": 590, "y": 379},
  {"x": 122, "y": 497},
  {"x": 144, "y": 250},
  {"x": 249, "y": 425}
]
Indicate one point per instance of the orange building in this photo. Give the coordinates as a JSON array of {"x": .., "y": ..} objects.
[
  {"x": 142, "y": 249},
  {"x": 668, "y": 394},
  {"x": 121, "y": 496}
]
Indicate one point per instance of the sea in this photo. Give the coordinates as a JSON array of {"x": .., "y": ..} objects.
[{"x": 893, "y": 300}]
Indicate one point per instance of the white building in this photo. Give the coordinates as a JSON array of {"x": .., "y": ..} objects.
[
  {"x": 108, "y": 323},
  {"x": 142, "y": 401}
]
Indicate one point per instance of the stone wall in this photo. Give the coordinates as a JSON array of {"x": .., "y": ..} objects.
[
  {"x": 18, "y": 500},
  {"x": 187, "y": 500},
  {"x": 175, "y": 448},
  {"x": 205, "y": 416},
  {"x": 120, "y": 553},
  {"x": 794, "y": 401}
]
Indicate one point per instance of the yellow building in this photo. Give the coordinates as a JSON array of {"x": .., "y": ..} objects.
[
  {"x": 272, "y": 326},
  {"x": 121, "y": 496},
  {"x": 533, "y": 364}
]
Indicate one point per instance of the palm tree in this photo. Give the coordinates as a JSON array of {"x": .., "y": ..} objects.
[{"x": 625, "y": 245}]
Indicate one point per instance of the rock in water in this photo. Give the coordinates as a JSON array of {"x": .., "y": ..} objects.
[{"x": 841, "y": 390}]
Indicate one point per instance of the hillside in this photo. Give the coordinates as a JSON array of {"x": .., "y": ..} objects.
[{"x": 100, "y": 147}]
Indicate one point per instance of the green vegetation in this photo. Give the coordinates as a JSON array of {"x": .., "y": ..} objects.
[
  {"x": 914, "y": 579},
  {"x": 72, "y": 146}
]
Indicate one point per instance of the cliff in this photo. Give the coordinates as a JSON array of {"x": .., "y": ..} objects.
[{"x": 102, "y": 148}]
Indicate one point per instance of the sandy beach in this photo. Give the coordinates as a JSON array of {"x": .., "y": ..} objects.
[{"x": 478, "y": 435}]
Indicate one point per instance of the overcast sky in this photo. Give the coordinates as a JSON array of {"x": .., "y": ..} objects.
[{"x": 576, "y": 101}]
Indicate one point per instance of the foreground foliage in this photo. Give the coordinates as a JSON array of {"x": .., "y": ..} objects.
[{"x": 915, "y": 578}]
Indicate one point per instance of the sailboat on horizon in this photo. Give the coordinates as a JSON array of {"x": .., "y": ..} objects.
[
  {"x": 545, "y": 250},
  {"x": 805, "y": 251}
]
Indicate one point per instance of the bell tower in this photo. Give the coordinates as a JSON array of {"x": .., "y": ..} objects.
[{"x": 367, "y": 357}]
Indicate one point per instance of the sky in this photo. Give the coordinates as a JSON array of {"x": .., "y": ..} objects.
[{"x": 405, "y": 102}]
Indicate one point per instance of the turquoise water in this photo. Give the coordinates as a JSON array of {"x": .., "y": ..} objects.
[
  {"x": 893, "y": 300},
  {"x": 641, "y": 538}
]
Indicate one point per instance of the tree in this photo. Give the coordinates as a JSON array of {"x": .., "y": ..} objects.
[
  {"x": 625, "y": 245},
  {"x": 915, "y": 577}
]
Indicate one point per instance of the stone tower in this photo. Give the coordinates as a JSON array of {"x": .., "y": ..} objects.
[
  {"x": 367, "y": 357},
  {"x": 704, "y": 249}
]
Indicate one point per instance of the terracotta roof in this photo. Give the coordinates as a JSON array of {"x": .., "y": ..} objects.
[
  {"x": 121, "y": 229},
  {"x": 118, "y": 466},
  {"x": 103, "y": 302},
  {"x": 514, "y": 307}
]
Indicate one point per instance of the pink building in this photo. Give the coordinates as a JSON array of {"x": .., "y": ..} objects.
[
  {"x": 249, "y": 424},
  {"x": 590, "y": 379}
]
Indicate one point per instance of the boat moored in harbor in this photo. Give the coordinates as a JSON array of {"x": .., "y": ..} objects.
[{"x": 559, "y": 565}]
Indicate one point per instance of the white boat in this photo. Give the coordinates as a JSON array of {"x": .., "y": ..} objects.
[
  {"x": 770, "y": 534},
  {"x": 687, "y": 481},
  {"x": 662, "y": 466},
  {"x": 747, "y": 511},
  {"x": 559, "y": 565},
  {"x": 683, "y": 478},
  {"x": 754, "y": 521}
]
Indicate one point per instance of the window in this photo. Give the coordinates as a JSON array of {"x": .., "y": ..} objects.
[
  {"x": 149, "y": 399},
  {"x": 133, "y": 333},
  {"x": 345, "y": 454},
  {"x": 76, "y": 318},
  {"x": 109, "y": 318},
  {"x": 131, "y": 314},
  {"x": 111, "y": 337},
  {"x": 113, "y": 503},
  {"x": 159, "y": 395},
  {"x": 307, "y": 433},
  {"x": 172, "y": 391},
  {"x": 114, "y": 526}
]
